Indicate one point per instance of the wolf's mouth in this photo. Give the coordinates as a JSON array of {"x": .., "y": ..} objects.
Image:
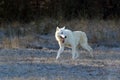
[{"x": 62, "y": 39}]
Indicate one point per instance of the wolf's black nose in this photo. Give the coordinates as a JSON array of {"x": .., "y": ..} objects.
[{"x": 65, "y": 36}]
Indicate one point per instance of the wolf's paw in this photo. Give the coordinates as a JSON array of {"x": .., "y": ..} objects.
[
  {"x": 75, "y": 57},
  {"x": 57, "y": 57}
]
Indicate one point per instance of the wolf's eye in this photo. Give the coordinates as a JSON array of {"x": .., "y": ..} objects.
[{"x": 61, "y": 32}]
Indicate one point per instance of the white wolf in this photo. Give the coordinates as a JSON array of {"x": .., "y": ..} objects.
[{"x": 74, "y": 39}]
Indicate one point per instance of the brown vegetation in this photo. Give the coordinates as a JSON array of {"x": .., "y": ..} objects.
[{"x": 99, "y": 32}]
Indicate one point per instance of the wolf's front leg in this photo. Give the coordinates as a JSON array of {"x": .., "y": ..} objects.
[
  {"x": 76, "y": 55},
  {"x": 73, "y": 52},
  {"x": 61, "y": 49}
]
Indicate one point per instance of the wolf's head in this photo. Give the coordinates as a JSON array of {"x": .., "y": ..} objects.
[{"x": 60, "y": 34}]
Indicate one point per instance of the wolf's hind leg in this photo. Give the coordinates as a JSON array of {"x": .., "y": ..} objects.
[{"x": 88, "y": 48}]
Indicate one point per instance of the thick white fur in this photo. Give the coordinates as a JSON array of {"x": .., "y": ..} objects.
[{"x": 74, "y": 39}]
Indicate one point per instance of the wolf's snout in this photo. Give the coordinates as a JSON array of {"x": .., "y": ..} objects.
[{"x": 63, "y": 36}]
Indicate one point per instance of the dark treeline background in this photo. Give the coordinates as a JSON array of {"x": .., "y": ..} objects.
[{"x": 27, "y": 10}]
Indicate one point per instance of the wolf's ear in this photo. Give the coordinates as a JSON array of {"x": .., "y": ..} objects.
[
  {"x": 57, "y": 28},
  {"x": 63, "y": 27}
]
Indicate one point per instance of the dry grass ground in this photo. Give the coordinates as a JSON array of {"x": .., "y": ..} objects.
[{"x": 35, "y": 64}]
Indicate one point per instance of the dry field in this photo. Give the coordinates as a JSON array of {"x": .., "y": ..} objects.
[{"x": 40, "y": 64}]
